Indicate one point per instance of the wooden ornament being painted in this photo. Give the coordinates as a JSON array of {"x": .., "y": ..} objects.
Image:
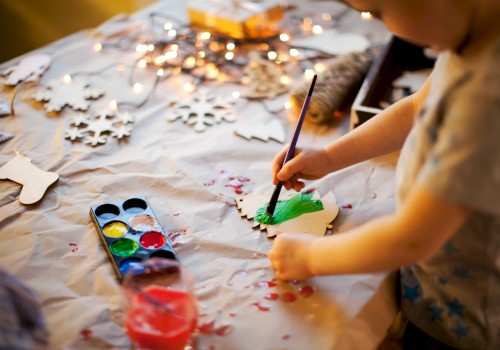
[
  {"x": 262, "y": 79},
  {"x": 263, "y": 131},
  {"x": 315, "y": 223},
  {"x": 75, "y": 93},
  {"x": 29, "y": 68},
  {"x": 203, "y": 110},
  {"x": 35, "y": 181},
  {"x": 97, "y": 130}
]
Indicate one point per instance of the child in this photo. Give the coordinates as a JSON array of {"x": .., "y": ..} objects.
[{"x": 445, "y": 234}]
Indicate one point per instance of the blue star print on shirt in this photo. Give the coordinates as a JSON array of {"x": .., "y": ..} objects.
[
  {"x": 435, "y": 312},
  {"x": 462, "y": 273},
  {"x": 460, "y": 330},
  {"x": 411, "y": 293},
  {"x": 449, "y": 248},
  {"x": 455, "y": 308}
]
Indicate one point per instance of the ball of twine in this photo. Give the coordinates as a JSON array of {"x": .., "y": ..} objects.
[{"x": 333, "y": 86}]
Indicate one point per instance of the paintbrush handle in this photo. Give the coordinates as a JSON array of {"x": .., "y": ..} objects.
[
  {"x": 291, "y": 150},
  {"x": 303, "y": 112}
]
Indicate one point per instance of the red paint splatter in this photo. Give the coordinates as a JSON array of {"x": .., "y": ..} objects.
[
  {"x": 261, "y": 307},
  {"x": 271, "y": 296},
  {"x": 86, "y": 334},
  {"x": 288, "y": 297},
  {"x": 223, "y": 330},
  {"x": 306, "y": 291},
  {"x": 74, "y": 248},
  {"x": 269, "y": 284},
  {"x": 229, "y": 283},
  {"x": 347, "y": 206},
  {"x": 232, "y": 314},
  {"x": 285, "y": 336},
  {"x": 207, "y": 327},
  {"x": 311, "y": 190}
]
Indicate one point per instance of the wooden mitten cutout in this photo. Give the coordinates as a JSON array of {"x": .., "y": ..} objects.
[{"x": 35, "y": 181}]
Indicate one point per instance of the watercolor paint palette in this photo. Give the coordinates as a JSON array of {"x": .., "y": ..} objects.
[{"x": 130, "y": 233}]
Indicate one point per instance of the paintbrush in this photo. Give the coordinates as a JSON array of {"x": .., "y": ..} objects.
[{"x": 291, "y": 150}]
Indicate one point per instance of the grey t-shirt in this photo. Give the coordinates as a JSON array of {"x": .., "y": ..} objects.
[{"x": 453, "y": 152}]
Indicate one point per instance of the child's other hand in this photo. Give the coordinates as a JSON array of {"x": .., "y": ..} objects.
[
  {"x": 307, "y": 164},
  {"x": 290, "y": 256}
]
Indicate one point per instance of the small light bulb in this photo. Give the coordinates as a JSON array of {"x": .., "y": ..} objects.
[
  {"x": 272, "y": 55},
  {"x": 309, "y": 73},
  {"x": 229, "y": 56},
  {"x": 189, "y": 87},
  {"x": 97, "y": 47},
  {"x": 317, "y": 29},
  {"x": 168, "y": 26},
  {"x": 113, "y": 105},
  {"x": 142, "y": 63},
  {"x": 366, "y": 16},
  {"x": 172, "y": 33},
  {"x": 287, "y": 105},
  {"x": 138, "y": 88},
  {"x": 230, "y": 46},
  {"x": 236, "y": 94},
  {"x": 160, "y": 72},
  {"x": 284, "y": 37},
  {"x": 67, "y": 79},
  {"x": 294, "y": 52}
]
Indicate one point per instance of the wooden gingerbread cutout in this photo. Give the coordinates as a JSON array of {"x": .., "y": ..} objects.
[
  {"x": 35, "y": 181},
  {"x": 315, "y": 223},
  {"x": 29, "y": 69}
]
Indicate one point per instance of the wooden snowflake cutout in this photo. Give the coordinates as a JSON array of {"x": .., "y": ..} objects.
[
  {"x": 263, "y": 131},
  {"x": 96, "y": 131},
  {"x": 74, "y": 93},
  {"x": 28, "y": 69},
  {"x": 202, "y": 111},
  {"x": 313, "y": 222}
]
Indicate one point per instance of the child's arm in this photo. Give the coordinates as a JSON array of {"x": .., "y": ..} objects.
[
  {"x": 380, "y": 135},
  {"x": 416, "y": 232}
]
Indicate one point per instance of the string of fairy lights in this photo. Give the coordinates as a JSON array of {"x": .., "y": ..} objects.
[{"x": 172, "y": 47}]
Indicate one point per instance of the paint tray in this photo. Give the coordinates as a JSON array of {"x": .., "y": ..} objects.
[{"x": 130, "y": 233}]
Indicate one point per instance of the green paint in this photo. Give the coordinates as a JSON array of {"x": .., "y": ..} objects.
[
  {"x": 124, "y": 247},
  {"x": 288, "y": 209}
]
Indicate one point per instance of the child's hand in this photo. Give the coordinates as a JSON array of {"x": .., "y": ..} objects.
[
  {"x": 290, "y": 256},
  {"x": 308, "y": 164}
]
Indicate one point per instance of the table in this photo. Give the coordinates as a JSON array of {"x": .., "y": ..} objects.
[{"x": 54, "y": 248}]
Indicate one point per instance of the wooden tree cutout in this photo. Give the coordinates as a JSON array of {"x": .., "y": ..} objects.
[
  {"x": 263, "y": 79},
  {"x": 35, "y": 181},
  {"x": 28, "y": 69},
  {"x": 262, "y": 131},
  {"x": 315, "y": 223}
]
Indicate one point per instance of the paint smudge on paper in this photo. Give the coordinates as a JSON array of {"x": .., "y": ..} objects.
[
  {"x": 301, "y": 203},
  {"x": 74, "y": 247},
  {"x": 347, "y": 206},
  {"x": 209, "y": 328},
  {"x": 178, "y": 238},
  {"x": 86, "y": 334},
  {"x": 236, "y": 183}
]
